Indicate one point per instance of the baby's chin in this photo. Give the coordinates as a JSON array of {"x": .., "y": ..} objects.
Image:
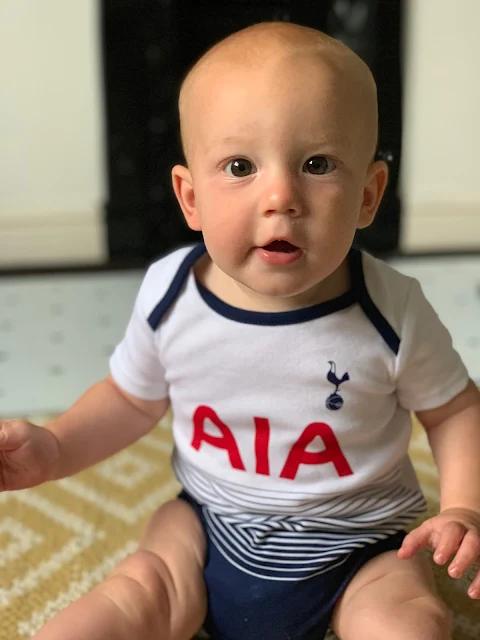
[
  {"x": 279, "y": 294},
  {"x": 291, "y": 289}
]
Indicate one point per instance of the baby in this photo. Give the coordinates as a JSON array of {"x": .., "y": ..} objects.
[{"x": 291, "y": 362}]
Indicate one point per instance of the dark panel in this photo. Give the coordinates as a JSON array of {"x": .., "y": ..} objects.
[
  {"x": 141, "y": 82},
  {"x": 148, "y": 45}
]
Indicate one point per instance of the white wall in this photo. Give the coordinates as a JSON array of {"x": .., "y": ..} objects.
[
  {"x": 440, "y": 181},
  {"x": 52, "y": 176}
]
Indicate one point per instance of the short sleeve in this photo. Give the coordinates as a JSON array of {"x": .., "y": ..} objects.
[
  {"x": 429, "y": 372},
  {"x": 135, "y": 364}
]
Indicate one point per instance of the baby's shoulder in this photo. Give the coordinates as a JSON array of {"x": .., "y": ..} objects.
[
  {"x": 389, "y": 289},
  {"x": 160, "y": 276}
]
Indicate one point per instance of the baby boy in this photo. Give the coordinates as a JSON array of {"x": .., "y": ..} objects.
[{"x": 291, "y": 362}]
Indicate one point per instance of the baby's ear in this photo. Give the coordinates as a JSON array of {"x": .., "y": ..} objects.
[
  {"x": 183, "y": 187},
  {"x": 375, "y": 185}
]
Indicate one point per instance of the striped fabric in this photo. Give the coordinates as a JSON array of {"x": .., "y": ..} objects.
[{"x": 311, "y": 540}]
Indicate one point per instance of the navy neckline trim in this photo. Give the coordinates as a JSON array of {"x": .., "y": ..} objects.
[
  {"x": 276, "y": 318},
  {"x": 357, "y": 293},
  {"x": 176, "y": 285},
  {"x": 368, "y": 306}
]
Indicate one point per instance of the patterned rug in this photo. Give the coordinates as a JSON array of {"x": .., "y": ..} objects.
[{"x": 59, "y": 540}]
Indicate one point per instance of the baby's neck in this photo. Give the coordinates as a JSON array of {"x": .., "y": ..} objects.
[{"x": 237, "y": 295}]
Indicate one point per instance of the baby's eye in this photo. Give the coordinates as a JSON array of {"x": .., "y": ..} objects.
[
  {"x": 240, "y": 167},
  {"x": 319, "y": 165}
]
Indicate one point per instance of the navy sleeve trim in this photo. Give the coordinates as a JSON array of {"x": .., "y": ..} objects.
[
  {"x": 367, "y": 305},
  {"x": 176, "y": 285}
]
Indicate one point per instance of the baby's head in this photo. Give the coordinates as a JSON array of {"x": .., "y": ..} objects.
[{"x": 279, "y": 129}]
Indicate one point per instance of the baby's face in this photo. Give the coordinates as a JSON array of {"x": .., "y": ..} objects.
[{"x": 279, "y": 159}]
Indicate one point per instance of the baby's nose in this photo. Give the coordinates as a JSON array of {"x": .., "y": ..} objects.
[{"x": 281, "y": 196}]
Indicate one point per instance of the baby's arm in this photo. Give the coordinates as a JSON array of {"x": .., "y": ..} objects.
[
  {"x": 454, "y": 435},
  {"x": 453, "y": 431},
  {"x": 103, "y": 421}
]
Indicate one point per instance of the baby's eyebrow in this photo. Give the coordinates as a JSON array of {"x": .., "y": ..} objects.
[
  {"x": 326, "y": 143},
  {"x": 227, "y": 140}
]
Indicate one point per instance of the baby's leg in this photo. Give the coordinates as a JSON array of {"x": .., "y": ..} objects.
[
  {"x": 394, "y": 599},
  {"x": 157, "y": 593}
]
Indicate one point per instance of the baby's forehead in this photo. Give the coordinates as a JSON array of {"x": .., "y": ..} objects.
[
  {"x": 268, "y": 57},
  {"x": 246, "y": 58},
  {"x": 312, "y": 75},
  {"x": 247, "y": 63}
]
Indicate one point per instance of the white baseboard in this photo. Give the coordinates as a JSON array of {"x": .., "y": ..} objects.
[
  {"x": 50, "y": 240},
  {"x": 440, "y": 227}
]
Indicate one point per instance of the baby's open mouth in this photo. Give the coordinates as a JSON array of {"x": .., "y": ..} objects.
[
  {"x": 279, "y": 253},
  {"x": 280, "y": 246}
]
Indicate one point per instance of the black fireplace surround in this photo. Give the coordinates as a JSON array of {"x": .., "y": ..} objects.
[{"x": 148, "y": 45}]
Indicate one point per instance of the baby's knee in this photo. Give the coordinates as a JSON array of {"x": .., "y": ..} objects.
[
  {"x": 162, "y": 597},
  {"x": 433, "y": 619},
  {"x": 142, "y": 585}
]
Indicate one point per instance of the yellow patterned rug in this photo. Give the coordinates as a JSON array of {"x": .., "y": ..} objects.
[{"x": 58, "y": 540}]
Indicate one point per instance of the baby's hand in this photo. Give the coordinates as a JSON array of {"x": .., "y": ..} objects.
[
  {"x": 453, "y": 531},
  {"x": 28, "y": 455}
]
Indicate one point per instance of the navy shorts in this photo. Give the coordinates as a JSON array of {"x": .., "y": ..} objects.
[{"x": 245, "y": 607}]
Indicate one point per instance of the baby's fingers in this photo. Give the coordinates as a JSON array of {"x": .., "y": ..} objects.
[
  {"x": 467, "y": 554},
  {"x": 474, "y": 590},
  {"x": 450, "y": 540},
  {"x": 416, "y": 540},
  {"x": 13, "y": 434},
  {"x": 8, "y": 432}
]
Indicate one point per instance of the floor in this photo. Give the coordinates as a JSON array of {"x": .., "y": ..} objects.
[{"x": 57, "y": 331}]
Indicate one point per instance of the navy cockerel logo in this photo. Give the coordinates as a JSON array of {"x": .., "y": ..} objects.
[{"x": 335, "y": 401}]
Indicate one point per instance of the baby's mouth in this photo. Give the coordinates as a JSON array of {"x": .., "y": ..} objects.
[
  {"x": 280, "y": 253},
  {"x": 280, "y": 246}
]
